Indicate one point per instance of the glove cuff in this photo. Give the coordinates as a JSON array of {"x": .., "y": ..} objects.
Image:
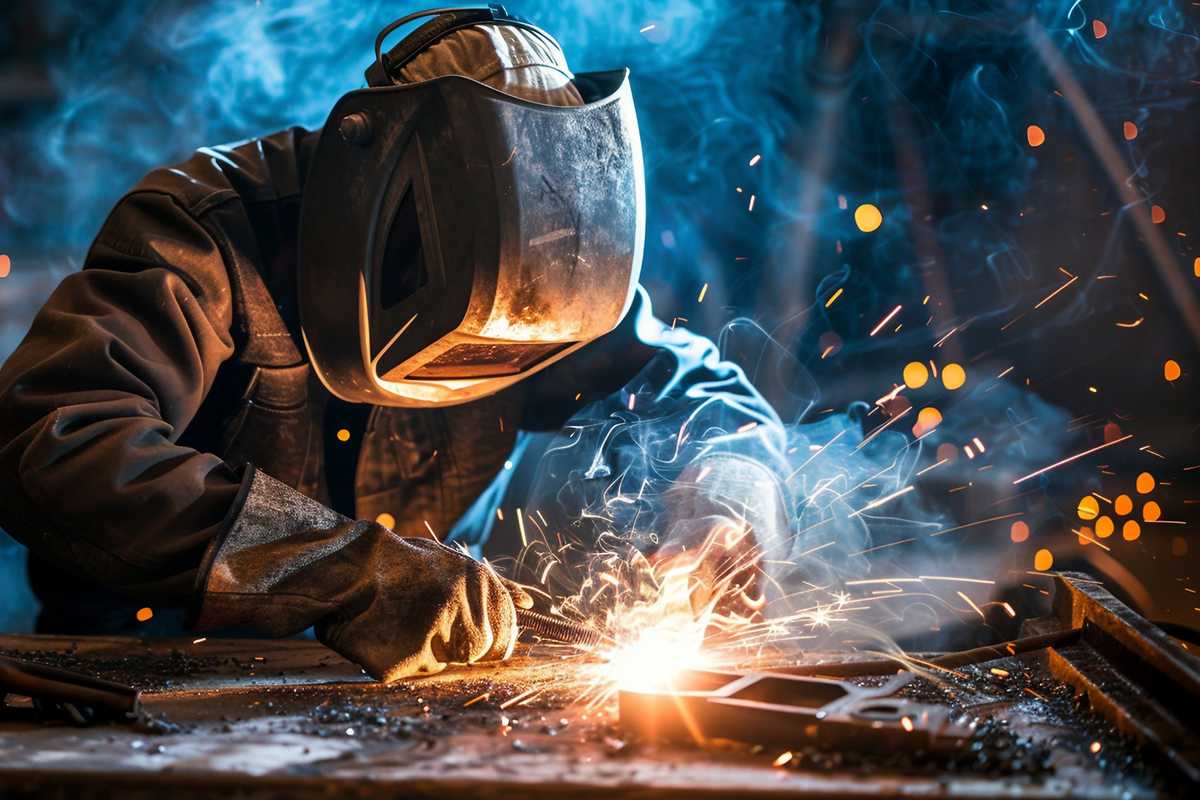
[{"x": 272, "y": 532}]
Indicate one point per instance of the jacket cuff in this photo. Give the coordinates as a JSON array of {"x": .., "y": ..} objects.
[{"x": 266, "y": 511}]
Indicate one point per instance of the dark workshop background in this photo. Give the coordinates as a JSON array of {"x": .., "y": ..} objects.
[{"x": 765, "y": 125}]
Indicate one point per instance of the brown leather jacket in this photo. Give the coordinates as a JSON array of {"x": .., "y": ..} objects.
[
  {"x": 171, "y": 360},
  {"x": 150, "y": 377}
]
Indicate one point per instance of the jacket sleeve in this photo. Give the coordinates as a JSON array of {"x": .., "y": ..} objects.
[
  {"x": 94, "y": 398},
  {"x": 677, "y": 435},
  {"x": 671, "y": 374}
]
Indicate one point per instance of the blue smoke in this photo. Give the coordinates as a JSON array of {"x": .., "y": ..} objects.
[
  {"x": 916, "y": 106},
  {"x": 717, "y": 83}
]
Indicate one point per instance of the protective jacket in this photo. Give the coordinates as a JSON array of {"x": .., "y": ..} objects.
[{"x": 158, "y": 380}]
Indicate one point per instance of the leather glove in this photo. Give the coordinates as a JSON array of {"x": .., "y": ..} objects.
[
  {"x": 397, "y": 606},
  {"x": 723, "y": 518},
  {"x": 719, "y": 558}
]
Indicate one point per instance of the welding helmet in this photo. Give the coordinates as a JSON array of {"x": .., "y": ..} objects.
[{"x": 454, "y": 238}]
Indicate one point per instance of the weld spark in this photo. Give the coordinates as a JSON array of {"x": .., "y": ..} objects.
[{"x": 1069, "y": 459}]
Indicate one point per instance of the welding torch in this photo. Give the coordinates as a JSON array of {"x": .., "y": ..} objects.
[{"x": 558, "y": 629}]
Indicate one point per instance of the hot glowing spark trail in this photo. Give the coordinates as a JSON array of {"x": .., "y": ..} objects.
[{"x": 1075, "y": 457}]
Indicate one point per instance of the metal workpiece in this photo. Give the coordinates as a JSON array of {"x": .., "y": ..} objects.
[
  {"x": 1132, "y": 672},
  {"x": 788, "y": 711}
]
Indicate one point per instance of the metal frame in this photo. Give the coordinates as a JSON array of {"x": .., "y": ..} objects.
[{"x": 788, "y": 711}]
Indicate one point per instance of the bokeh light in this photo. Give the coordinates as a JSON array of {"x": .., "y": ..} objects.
[
  {"x": 1043, "y": 560},
  {"x": 868, "y": 218},
  {"x": 1088, "y": 508},
  {"x": 928, "y": 418},
  {"x": 953, "y": 376},
  {"x": 916, "y": 374}
]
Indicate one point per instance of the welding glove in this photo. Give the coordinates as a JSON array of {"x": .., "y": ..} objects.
[
  {"x": 723, "y": 521},
  {"x": 397, "y": 606}
]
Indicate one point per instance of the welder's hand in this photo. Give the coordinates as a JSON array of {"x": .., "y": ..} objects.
[
  {"x": 419, "y": 606},
  {"x": 397, "y": 606},
  {"x": 719, "y": 558},
  {"x": 724, "y": 517}
]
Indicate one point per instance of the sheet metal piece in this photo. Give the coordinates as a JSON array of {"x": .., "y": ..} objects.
[{"x": 789, "y": 711}]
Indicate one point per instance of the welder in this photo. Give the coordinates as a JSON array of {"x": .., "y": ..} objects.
[{"x": 283, "y": 389}]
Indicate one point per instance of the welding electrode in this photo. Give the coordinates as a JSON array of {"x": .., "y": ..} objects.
[{"x": 556, "y": 629}]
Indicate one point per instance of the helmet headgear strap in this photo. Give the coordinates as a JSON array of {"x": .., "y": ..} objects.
[{"x": 386, "y": 66}]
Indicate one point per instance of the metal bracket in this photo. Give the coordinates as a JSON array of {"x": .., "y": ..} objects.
[
  {"x": 788, "y": 711},
  {"x": 1132, "y": 672}
]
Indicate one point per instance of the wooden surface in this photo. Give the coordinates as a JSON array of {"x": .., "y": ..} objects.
[{"x": 290, "y": 718}]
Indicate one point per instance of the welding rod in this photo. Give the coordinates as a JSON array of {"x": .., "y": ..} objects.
[
  {"x": 558, "y": 629},
  {"x": 961, "y": 658}
]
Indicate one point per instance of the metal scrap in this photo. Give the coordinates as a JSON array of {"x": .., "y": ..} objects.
[{"x": 63, "y": 694}]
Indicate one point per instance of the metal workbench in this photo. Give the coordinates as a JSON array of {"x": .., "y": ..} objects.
[{"x": 251, "y": 718}]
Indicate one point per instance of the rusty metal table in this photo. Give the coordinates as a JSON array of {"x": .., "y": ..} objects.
[{"x": 289, "y": 718}]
